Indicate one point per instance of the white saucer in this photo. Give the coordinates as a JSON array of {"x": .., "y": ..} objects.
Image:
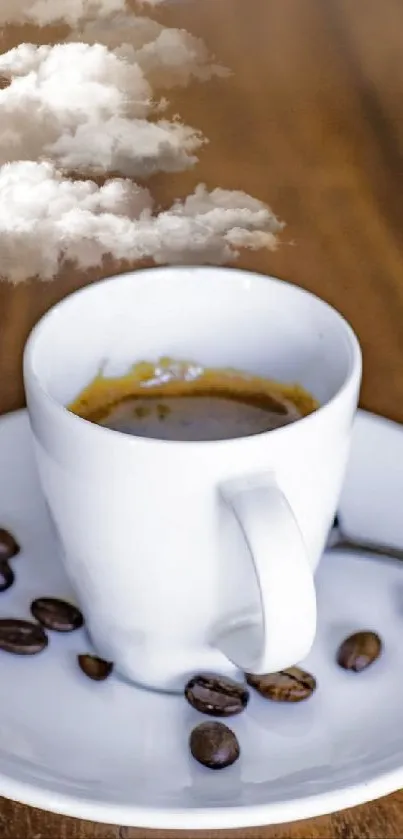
[{"x": 113, "y": 753}]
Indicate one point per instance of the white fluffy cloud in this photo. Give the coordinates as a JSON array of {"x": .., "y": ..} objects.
[
  {"x": 167, "y": 56},
  {"x": 88, "y": 110},
  {"x": 43, "y": 12},
  {"x": 46, "y": 219}
]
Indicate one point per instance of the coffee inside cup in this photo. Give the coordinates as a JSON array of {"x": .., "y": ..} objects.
[{"x": 173, "y": 400}]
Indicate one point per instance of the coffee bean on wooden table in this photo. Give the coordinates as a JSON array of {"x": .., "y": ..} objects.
[
  {"x": 9, "y": 547},
  {"x": 95, "y": 668},
  {"x": 21, "y": 637},
  {"x": 216, "y": 695},
  {"x": 359, "y": 650},
  {"x": 7, "y": 576},
  {"x": 56, "y": 614},
  {"x": 291, "y": 685},
  {"x": 214, "y": 745}
]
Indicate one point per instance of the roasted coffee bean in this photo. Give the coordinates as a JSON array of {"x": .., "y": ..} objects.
[
  {"x": 95, "y": 668},
  {"x": 291, "y": 685},
  {"x": 359, "y": 651},
  {"x": 214, "y": 745},
  {"x": 56, "y": 614},
  {"x": 216, "y": 695},
  {"x": 21, "y": 637},
  {"x": 8, "y": 545},
  {"x": 336, "y": 521},
  {"x": 7, "y": 576}
]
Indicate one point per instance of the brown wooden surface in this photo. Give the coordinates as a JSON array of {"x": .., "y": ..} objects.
[{"x": 312, "y": 122}]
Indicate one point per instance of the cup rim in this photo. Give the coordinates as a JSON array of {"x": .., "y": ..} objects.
[{"x": 353, "y": 374}]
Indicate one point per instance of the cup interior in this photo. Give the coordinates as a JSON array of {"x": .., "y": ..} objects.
[{"x": 216, "y": 317}]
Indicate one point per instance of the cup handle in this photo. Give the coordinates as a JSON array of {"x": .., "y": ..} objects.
[{"x": 285, "y": 630}]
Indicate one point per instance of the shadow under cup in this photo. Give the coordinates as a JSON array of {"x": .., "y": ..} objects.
[{"x": 218, "y": 318}]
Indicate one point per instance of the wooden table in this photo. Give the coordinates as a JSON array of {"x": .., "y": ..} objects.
[{"x": 311, "y": 122}]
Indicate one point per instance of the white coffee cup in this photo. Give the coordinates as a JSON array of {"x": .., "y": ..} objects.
[{"x": 188, "y": 555}]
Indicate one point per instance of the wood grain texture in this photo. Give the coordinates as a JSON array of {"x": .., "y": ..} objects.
[{"x": 311, "y": 121}]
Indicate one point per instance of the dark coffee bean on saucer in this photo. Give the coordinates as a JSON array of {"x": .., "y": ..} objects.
[
  {"x": 7, "y": 576},
  {"x": 56, "y": 614},
  {"x": 9, "y": 547},
  {"x": 21, "y": 637},
  {"x": 214, "y": 745},
  {"x": 291, "y": 685},
  {"x": 358, "y": 651},
  {"x": 95, "y": 668},
  {"x": 216, "y": 695},
  {"x": 336, "y": 521}
]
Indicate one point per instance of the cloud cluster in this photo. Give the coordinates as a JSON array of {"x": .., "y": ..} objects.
[
  {"x": 88, "y": 106},
  {"x": 170, "y": 56},
  {"x": 46, "y": 218},
  {"x": 88, "y": 110}
]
